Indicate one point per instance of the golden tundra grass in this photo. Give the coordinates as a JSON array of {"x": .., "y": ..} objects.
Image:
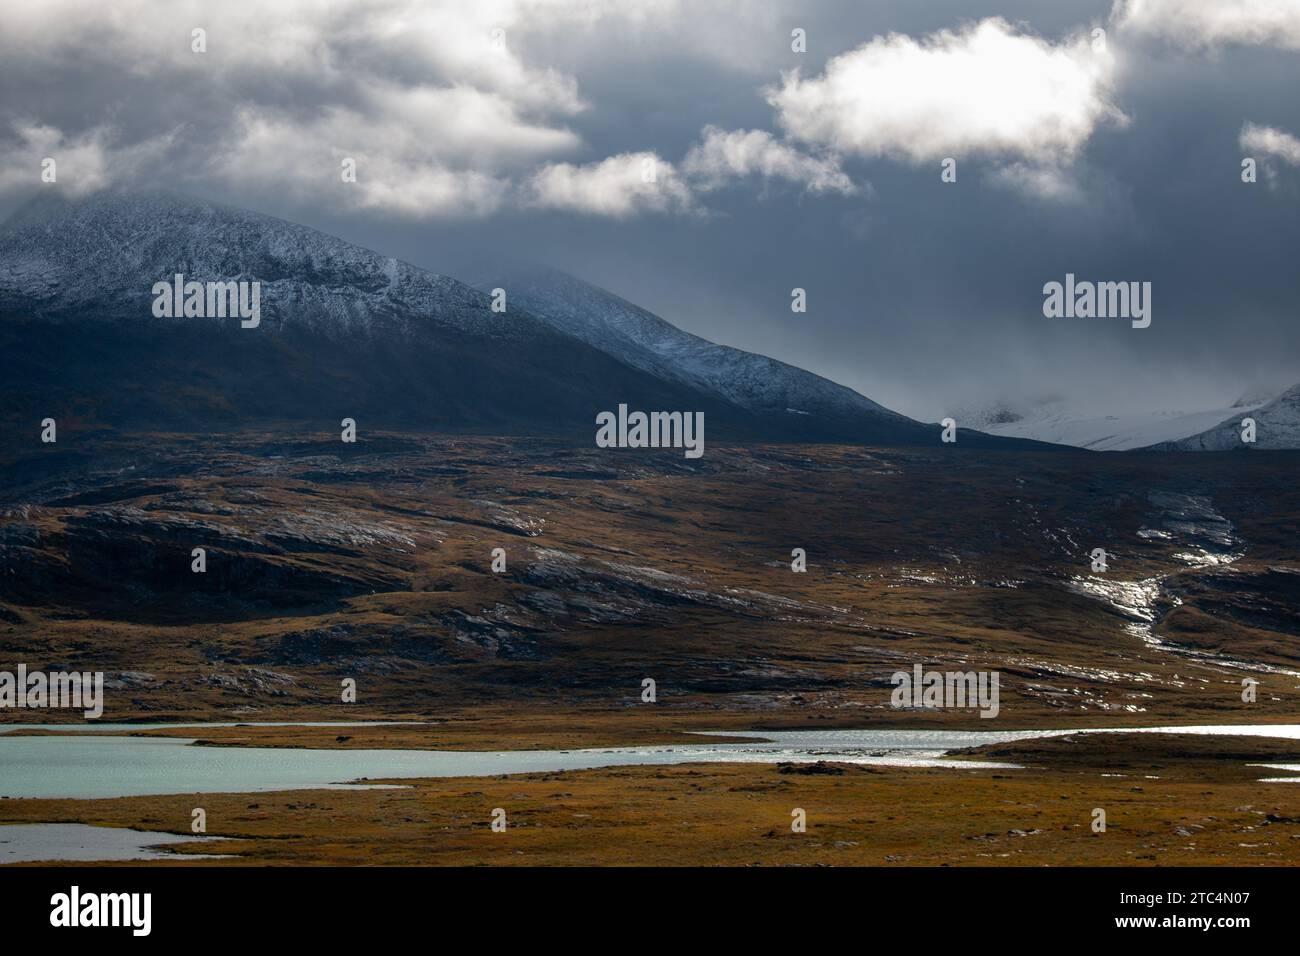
[{"x": 1169, "y": 801}]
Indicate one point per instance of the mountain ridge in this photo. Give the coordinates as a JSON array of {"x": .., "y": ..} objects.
[
  {"x": 343, "y": 329},
  {"x": 645, "y": 340},
  {"x": 1277, "y": 427},
  {"x": 347, "y": 329}
]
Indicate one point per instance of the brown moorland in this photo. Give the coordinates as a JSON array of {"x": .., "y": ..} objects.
[{"x": 373, "y": 562}]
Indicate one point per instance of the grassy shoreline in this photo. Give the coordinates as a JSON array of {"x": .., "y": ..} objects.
[{"x": 1169, "y": 800}]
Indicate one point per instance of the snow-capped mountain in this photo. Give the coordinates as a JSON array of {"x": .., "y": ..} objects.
[
  {"x": 1277, "y": 426},
  {"x": 1061, "y": 423},
  {"x": 59, "y": 256},
  {"x": 345, "y": 331}
]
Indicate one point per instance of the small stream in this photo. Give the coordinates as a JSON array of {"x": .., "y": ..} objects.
[{"x": 1207, "y": 540}]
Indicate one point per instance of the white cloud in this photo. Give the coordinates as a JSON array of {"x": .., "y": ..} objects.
[
  {"x": 1045, "y": 182},
  {"x": 430, "y": 97},
  {"x": 395, "y": 172},
  {"x": 1267, "y": 145},
  {"x": 448, "y": 112},
  {"x": 419, "y": 151},
  {"x": 724, "y": 155},
  {"x": 84, "y": 163},
  {"x": 618, "y": 187},
  {"x": 471, "y": 126},
  {"x": 1203, "y": 23},
  {"x": 1271, "y": 142},
  {"x": 986, "y": 89},
  {"x": 440, "y": 102},
  {"x": 631, "y": 183},
  {"x": 321, "y": 44}
]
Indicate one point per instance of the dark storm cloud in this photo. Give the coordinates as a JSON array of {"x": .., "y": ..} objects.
[{"x": 923, "y": 295}]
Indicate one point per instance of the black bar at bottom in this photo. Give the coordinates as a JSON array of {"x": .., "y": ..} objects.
[{"x": 334, "y": 905}]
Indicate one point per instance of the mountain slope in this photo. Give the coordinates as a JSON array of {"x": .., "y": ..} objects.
[
  {"x": 345, "y": 332},
  {"x": 1277, "y": 426},
  {"x": 814, "y": 405}
]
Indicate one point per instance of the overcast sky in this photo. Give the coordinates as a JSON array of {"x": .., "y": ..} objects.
[{"x": 492, "y": 130}]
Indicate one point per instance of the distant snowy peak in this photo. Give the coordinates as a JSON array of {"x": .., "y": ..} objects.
[
  {"x": 1277, "y": 427},
  {"x": 101, "y": 256},
  {"x": 1061, "y": 423},
  {"x": 644, "y": 340}
]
